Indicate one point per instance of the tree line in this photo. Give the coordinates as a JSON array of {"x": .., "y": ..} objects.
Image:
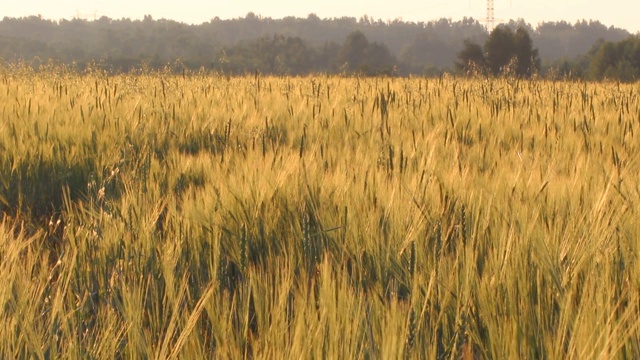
[{"x": 312, "y": 45}]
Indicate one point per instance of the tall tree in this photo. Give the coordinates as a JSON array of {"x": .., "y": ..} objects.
[
  {"x": 500, "y": 49},
  {"x": 379, "y": 60},
  {"x": 353, "y": 51},
  {"x": 527, "y": 56},
  {"x": 358, "y": 55},
  {"x": 471, "y": 58},
  {"x": 511, "y": 52}
]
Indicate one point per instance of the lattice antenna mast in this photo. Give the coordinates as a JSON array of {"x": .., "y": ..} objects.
[{"x": 491, "y": 15}]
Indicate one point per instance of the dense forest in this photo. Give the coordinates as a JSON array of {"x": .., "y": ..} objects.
[{"x": 297, "y": 46}]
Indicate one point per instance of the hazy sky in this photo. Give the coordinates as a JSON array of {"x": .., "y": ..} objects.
[{"x": 620, "y": 13}]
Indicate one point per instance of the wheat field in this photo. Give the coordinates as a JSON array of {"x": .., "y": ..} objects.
[{"x": 156, "y": 215}]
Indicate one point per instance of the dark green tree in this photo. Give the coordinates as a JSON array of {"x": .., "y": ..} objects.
[
  {"x": 353, "y": 52},
  {"x": 528, "y": 60},
  {"x": 471, "y": 58},
  {"x": 500, "y": 49},
  {"x": 358, "y": 55},
  {"x": 511, "y": 52},
  {"x": 379, "y": 60},
  {"x": 617, "y": 61}
]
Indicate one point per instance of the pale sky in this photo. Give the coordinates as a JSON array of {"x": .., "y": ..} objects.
[{"x": 619, "y": 13}]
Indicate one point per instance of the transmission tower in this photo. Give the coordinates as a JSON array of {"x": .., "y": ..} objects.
[{"x": 491, "y": 15}]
